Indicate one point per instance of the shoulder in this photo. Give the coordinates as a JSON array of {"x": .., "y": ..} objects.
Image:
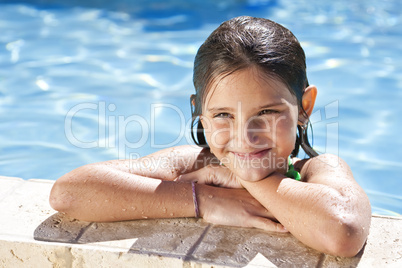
[
  {"x": 324, "y": 167},
  {"x": 332, "y": 171}
]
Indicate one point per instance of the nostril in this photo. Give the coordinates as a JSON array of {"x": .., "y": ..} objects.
[{"x": 253, "y": 135}]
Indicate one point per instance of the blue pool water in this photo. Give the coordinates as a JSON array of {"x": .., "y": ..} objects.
[{"x": 87, "y": 81}]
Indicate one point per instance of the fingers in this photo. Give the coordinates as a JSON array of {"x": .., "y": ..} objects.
[
  {"x": 268, "y": 225},
  {"x": 204, "y": 175}
]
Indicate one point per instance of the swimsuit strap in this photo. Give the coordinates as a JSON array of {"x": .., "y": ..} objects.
[{"x": 292, "y": 173}]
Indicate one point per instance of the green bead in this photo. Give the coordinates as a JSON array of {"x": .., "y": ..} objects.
[
  {"x": 292, "y": 173},
  {"x": 297, "y": 176}
]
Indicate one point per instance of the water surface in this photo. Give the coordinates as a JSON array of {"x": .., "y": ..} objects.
[{"x": 88, "y": 81}]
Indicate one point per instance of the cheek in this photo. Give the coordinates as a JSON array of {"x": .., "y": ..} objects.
[
  {"x": 218, "y": 134},
  {"x": 284, "y": 129}
]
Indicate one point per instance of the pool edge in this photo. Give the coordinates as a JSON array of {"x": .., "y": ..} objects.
[{"x": 33, "y": 233}]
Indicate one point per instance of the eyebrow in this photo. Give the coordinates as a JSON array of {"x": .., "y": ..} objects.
[
  {"x": 225, "y": 109},
  {"x": 271, "y": 105},
  {"x": 219, "y": 109}
]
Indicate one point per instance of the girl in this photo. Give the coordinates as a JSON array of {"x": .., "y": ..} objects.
[{"x": 251, "y": 108}]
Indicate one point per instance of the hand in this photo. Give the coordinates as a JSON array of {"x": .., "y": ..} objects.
[
  {"x": 212, "y": 175},
  {"x": 235, "y": 207}
]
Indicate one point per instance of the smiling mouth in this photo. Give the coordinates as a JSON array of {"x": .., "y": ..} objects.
[{"x": 252, "y": 155}]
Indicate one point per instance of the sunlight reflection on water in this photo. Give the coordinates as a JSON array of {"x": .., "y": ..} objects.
[{"x": 56, "y": 55}]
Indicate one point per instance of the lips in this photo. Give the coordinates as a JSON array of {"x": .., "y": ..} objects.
[{"x": 252, "y": 155}]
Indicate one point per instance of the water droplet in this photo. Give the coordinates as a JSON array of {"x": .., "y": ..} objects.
[
  {"x": 107, "y": 200},
  {"x": 133, "y": 208},
  {"x": 89, "y": 201},
  {"x": 124, "y": 209},
  {"x": 164, "y": 210},
  {"x": 171, "y": 214},
  {"x": 210, "y": 196}
]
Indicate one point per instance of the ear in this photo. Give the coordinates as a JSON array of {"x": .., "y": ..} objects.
[
  {"x": 192, "y": 99},
  {"x": 308, "y": 101}
]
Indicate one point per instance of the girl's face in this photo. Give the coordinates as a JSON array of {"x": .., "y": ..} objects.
[{"x": 250, "y": 122}]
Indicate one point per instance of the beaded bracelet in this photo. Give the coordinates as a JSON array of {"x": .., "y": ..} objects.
[{"x": 197, "y": 211}]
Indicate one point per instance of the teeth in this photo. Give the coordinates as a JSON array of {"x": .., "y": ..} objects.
[{"x": 250, "y": 155}]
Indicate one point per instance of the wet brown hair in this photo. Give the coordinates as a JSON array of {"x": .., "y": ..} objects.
[{"x": 245, "y": 42}]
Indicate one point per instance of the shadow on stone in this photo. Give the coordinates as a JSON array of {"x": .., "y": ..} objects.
[
  {"x": 60, "y": 228},
  {"x": 191, "y": 240},
  {"x": 173, "y": 237},
  {"x": 241, "y": 246}
]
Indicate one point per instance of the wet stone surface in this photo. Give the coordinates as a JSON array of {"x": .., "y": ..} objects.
[
  {"x": 175, "y": 237},
  {"x": 238, "y": 246},
  {"x": 60, "y": 228},
  {"x": 33, "y": 234}
]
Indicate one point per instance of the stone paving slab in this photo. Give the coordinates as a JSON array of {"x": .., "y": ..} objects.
[
  {"x": 170, "y": 237},
  {"x": 60, "y": 228},
  {"x": 24, "y": 208},
  {"x": 236, "y": 247},
  {"x": 8, "y": 185},
  {"x": 384, "y": 245},
  {"x": 24, "y": 253},
  {"x": 34, "y": 235}
]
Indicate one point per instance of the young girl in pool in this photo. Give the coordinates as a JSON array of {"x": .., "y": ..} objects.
[{"x": 251, "y": 108}]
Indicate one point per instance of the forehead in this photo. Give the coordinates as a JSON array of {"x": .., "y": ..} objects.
[{"x": 246, "y": 85}]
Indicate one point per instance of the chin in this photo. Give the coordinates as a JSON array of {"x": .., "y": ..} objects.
[{"x": 253, "y": 175}]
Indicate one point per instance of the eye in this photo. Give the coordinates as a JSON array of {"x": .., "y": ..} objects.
[
  {"x": 268, "y": 111},
  {"x": 223, "y": 115}
]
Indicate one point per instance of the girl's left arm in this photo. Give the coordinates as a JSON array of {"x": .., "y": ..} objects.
[{"x": 327, "y": 211}]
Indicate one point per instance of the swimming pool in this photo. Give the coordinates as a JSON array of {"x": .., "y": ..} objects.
[{"x": 87, "y": 81}]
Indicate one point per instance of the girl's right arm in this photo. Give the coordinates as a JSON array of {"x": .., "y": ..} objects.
[
  {"x": 129, "y": 189},
  {"x": 145, "y": 188}
]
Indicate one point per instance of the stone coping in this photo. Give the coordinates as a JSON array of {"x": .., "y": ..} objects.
[{"x": 32, "y": 234}]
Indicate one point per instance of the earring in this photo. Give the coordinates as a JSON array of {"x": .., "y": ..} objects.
[
  {"x": 303, "y": 123},
  {"x": 304, "y": 142}
]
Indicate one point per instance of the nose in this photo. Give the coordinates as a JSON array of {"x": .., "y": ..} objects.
[{"x": 252, "y": 134}]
